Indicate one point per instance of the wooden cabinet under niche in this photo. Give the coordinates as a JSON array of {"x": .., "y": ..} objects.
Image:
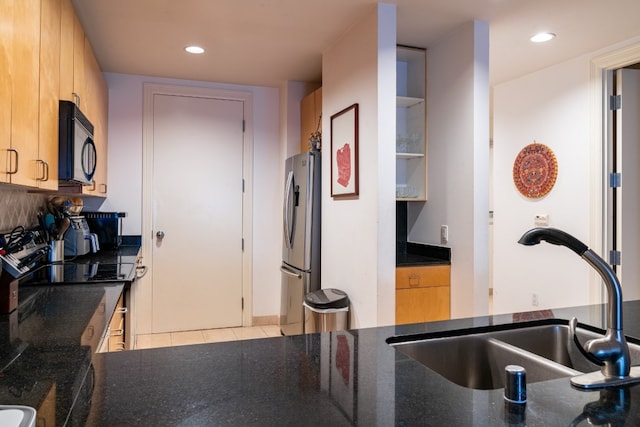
[
  {"x": 423, "y": 294},
  {"x": 411, "y": 146}
]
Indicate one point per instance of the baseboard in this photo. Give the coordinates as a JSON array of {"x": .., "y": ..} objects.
[{"x": 265, "y": 320}]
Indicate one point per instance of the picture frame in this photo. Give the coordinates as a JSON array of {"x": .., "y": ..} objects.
[{"x": 344, "y": 153}]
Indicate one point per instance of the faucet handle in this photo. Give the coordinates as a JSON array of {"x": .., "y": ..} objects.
[{"x": 573, "y": 323}]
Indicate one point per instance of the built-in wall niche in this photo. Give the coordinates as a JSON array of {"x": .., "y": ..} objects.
[{"x": 411, "y": 146}]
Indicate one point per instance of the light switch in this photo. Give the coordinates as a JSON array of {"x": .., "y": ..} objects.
[
  {"x": 541, "y": 220},
  {"x": 444, "y": 234}
]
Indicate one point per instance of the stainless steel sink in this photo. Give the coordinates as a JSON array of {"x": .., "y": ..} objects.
[
  {"x": 476, "y": 358},
  {"x": 554, "y": 342}
]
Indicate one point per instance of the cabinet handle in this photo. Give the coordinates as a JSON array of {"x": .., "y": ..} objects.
[
  {"x": 93, "y": 186},
  {"x": 10, "y": 170},
  {"x": 45, "y": 171},
  {"x": 122, "y": 310},
  {"x": 103, "y": 188},
  {"x": 141, "y": 270},
  {"x": 116, "y": 333},
  {"x": 414, "y": 280},
  {"x": 90, "y": 331}
]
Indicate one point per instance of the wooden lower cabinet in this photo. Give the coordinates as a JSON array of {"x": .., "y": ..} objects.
[
  {"x": 116, "y": 327},
  {"x": 423, "y": 294}
]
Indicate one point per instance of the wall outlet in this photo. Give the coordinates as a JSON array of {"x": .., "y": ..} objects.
[
  {"x": 444, "y": 234},
  {"x": 541, "y": 220},
  {"x": 534, "y": 300}
]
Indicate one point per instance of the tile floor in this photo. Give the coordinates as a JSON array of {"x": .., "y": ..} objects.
[{"x": 205, "y": 336}]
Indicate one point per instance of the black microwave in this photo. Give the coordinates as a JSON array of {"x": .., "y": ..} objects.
[{"x": 77, "y": 157}]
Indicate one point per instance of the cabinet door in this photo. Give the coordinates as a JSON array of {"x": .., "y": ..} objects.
[
  {"x": 310, "y": 114},
  {"x": 6, "y": 75},
  {"x": 116, "y": 327},
  {"x": 67, "y": 20},
  {"x": 423, "y": 276},
  {"x": 96, "y": 110},
  {"x": 422, "y": 304},
  {"x": 47, "y": 165},
  {"x": 79, "y": 87},
  {"x": 25, "y": 87}
]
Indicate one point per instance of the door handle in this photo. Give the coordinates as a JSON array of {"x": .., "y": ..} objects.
[
  {"x": 160, "y": 235},
  {"x": 290, "y": 273},
  {"x": 288, "y": 228}
]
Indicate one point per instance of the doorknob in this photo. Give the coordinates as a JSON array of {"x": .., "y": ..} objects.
[{"x": 160, "y": 235}]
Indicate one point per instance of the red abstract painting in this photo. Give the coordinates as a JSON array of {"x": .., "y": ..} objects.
[{"x": 343, "y": 158}]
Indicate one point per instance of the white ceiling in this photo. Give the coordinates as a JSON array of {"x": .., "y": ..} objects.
[{"x": 267, "y": 42}]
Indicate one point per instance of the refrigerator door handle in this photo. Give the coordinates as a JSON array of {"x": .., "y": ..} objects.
[
  {"x": 289, "y": 272},
  {"x": 288, "y": 232}
]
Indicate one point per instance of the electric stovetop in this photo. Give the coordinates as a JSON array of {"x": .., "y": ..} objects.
[{"x": 75, "y": 273}]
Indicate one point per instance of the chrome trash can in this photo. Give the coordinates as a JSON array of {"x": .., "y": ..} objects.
[{"x": 325, "y": 310}]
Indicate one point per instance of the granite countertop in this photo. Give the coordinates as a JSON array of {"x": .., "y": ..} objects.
[
  {"x": 411, "y": 254},
  {"x": 47, "y": 345},
  {"x": 337, "y": 378}
]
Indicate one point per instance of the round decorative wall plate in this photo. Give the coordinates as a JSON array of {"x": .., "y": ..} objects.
[{"x": 535, "y": 170}]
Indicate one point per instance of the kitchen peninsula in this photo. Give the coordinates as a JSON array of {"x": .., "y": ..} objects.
[{"x": 338, "y": 378}]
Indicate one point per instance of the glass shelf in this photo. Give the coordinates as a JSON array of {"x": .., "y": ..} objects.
[
  {"x": 409, "y": 155},
  {"x": 407, "y": 101}
]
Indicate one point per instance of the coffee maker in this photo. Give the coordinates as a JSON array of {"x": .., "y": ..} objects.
[{"x": 78, "y": 239}]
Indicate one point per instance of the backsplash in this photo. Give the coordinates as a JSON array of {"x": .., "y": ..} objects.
[{"x": 19, "y": 207}]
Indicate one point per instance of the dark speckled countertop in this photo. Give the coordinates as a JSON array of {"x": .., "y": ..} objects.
[
  {"x": 416, "y": 254},
  {"x": 337, "y": 378}
]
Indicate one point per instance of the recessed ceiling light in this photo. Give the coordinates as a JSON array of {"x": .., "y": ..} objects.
[
  {"x": 542, "y": 37},
  {"x": 194, "y": 49}
]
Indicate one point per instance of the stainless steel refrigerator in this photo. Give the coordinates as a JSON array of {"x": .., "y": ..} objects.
[{"x": 300, "y": 238}]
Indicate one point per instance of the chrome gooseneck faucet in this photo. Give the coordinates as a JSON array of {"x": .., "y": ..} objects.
[{"x": 611, "y": 352}]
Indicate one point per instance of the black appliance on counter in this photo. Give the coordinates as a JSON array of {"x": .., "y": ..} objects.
[{"x": 107, "y": 226}]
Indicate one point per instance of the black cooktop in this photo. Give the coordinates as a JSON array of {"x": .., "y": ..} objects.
[{"x": 75, "y": 273}]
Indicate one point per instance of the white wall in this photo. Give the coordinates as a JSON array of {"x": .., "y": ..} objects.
[
  {"x": 551, "y": 107},
  {"x": 125, "y": 173},
  {"x": 458, "y": 175},
  {"x": 358, "y": 235}
]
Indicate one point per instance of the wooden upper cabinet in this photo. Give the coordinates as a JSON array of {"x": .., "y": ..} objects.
[
  {"x": 79, "y": 84},
  {"x": 44, "y": 57},
  {"x": 310, "y": 115},
  {"x": 47, "y": 163},
  {"x": 25, "y": 92},
  {"x": 72, "y": 57},
  {"x": 82, "y": 82},
  {"x": 67, "y": 30},
  {"x": 6, "y": 84},
  {"x": 96, "y": 109}
]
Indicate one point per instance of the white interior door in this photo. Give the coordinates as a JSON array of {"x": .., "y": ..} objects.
[
  {"x": 197, "y": 213},
  {"x": 627, "y": 134}
]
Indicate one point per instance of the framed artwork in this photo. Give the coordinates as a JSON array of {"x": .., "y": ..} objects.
[
  {"x": 344, "y": 153},
  {"x": 535, "y": 170}
]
